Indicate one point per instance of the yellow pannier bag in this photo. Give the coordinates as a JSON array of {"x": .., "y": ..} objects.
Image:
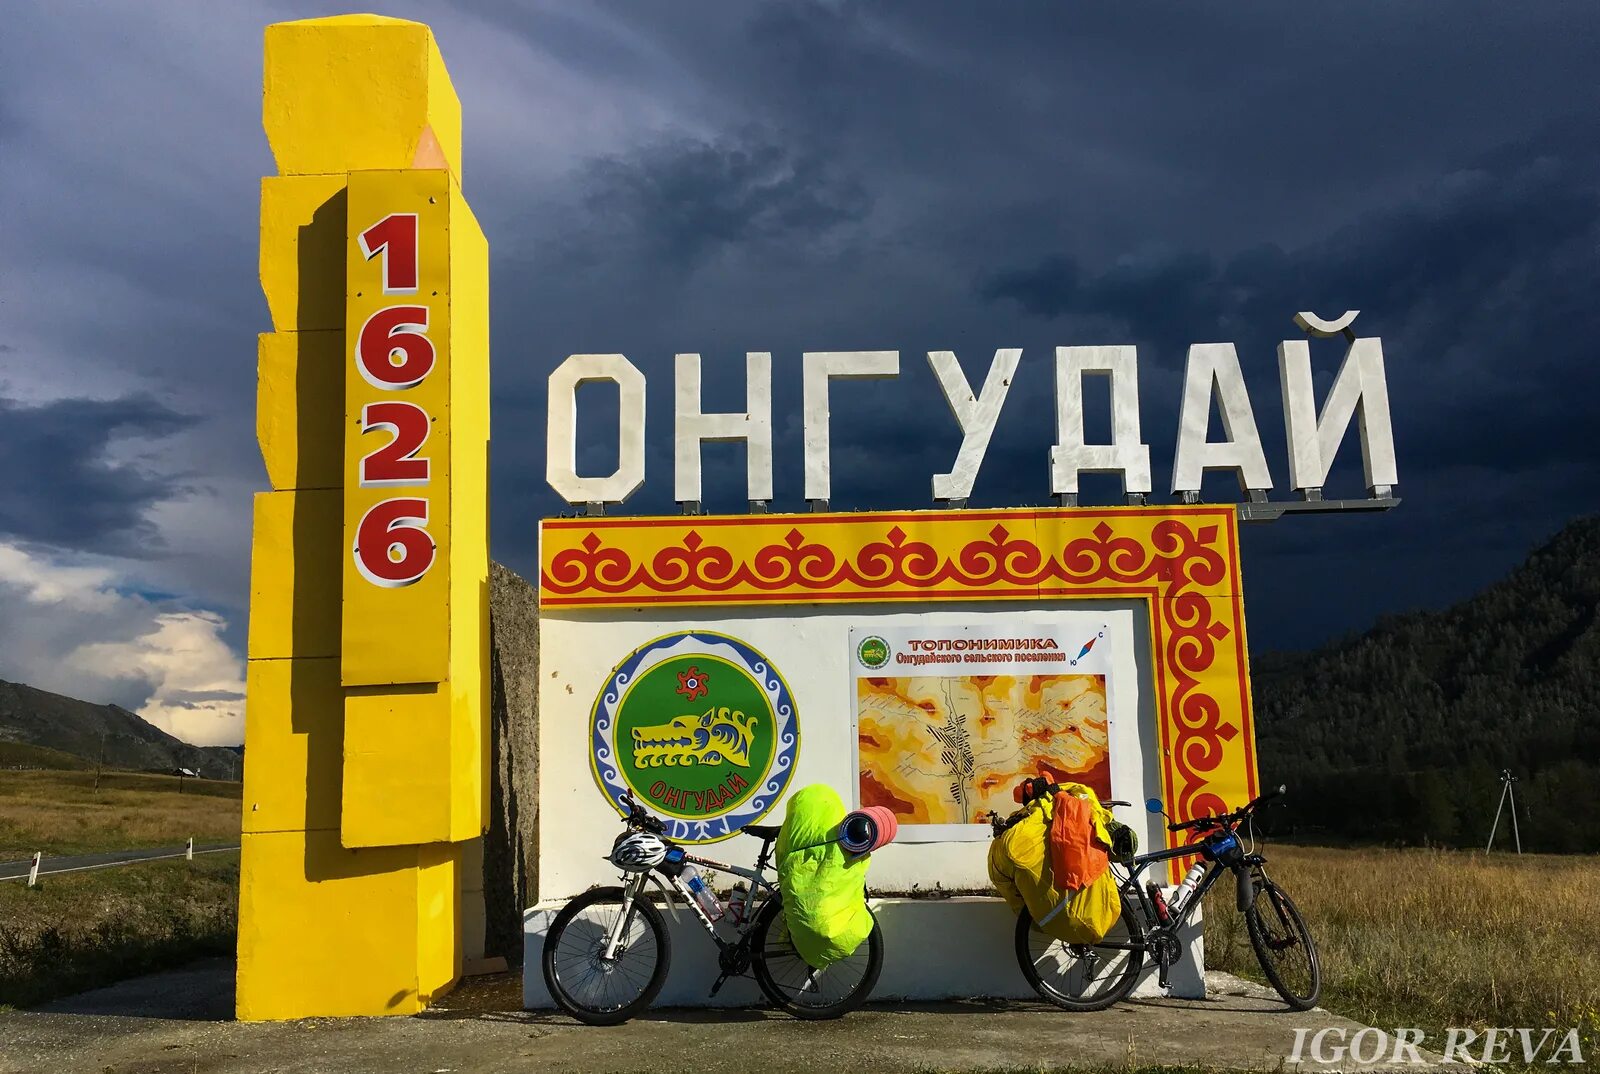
[{"x": 1019, "y": 868}]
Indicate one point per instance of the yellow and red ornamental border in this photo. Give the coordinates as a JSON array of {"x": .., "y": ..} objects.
[{"x": 1183, "y": 560}]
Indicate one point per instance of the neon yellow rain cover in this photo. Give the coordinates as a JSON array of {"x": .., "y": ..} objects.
[{"x": 824, "y": 890}]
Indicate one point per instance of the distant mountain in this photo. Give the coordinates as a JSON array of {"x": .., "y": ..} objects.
[
  {"x": 39, "y": 718},
  {"x": 1401, "y": 733}
]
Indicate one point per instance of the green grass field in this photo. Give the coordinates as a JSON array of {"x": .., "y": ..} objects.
[
  {"x": 1435, "y": 938},
  {"x": 87, "y": 929},
  {"x": 59, "y": 812},
  {"x": 1417, "y": 938},
  {"x": 82, "y": 930},
  {"x": 23, "y": 755}
]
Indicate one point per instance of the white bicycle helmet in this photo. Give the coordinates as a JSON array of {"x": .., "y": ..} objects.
[{"x": 638, "y": 852}]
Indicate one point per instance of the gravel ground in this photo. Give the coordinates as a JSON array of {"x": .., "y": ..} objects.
[{"x": 179, "y": 1023}]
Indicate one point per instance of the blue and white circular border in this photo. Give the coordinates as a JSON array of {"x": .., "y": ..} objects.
[{"x": 786, "y": 732}]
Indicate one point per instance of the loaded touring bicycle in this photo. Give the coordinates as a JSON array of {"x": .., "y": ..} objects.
[
  {"x": 1091, "y": 977},
  {"x": 608, "y": 951}
]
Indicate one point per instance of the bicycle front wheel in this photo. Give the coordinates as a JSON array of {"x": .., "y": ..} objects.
[
  {"x": 1082, "y": 977},
  {"x": 587, "y": 985},
  {"x": 1283, "y": 945},
  {"x": 794, "y": 985}
]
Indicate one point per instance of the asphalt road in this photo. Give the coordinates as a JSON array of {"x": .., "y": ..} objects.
[
  {"x": 179, "y": 1022},
  {"x": 18, "y": 870}
]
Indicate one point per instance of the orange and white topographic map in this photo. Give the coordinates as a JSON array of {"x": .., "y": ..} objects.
[{"x": 948, "y": 750}]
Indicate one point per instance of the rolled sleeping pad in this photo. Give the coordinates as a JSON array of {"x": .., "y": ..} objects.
[
  {"x": 867, "y": 829},
  {"x": 856, "y": 832},
  {"x": 888, "y": 825}
]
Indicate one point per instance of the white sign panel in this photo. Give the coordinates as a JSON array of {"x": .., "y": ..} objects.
[{"x": 949, "y": 719}]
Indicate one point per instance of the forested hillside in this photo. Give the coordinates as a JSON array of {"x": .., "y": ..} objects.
[{"x": 1400, "y": 735}]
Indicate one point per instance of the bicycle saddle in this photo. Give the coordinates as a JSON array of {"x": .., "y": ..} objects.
[{"x": 761, "y": 831}]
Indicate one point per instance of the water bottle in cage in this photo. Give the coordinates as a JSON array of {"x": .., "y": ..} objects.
[
  {"x": 736, "y": 901},
  {"x": 1163, "y": 915},
  {"x": 703, "y": 895},
  {"x": 1191, "y": 880}
]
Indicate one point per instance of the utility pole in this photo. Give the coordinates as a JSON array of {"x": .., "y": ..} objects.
[
  {"x": 101, "y": 763},
  {"x": 1506, "y": 793}
]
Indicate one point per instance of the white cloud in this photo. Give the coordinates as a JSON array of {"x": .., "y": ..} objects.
[
  {"x": 78, "y": 589},
  {"x": 66, "y": 627}
]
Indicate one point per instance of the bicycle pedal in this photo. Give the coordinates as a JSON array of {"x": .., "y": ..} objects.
[{"x": 717, "y": 985}]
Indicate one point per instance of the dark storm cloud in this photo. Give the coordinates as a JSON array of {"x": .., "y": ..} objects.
[
  {"x": 1482, "y": 289},
  {"x": 684, "y": 200},
  {"x": 794, "y": 176},
  {"x": 1478, "y": 280},
  {"x": 62, "y": 486}
]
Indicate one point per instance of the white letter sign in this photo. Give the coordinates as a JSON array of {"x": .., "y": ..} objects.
[
  {"x": 1359, "y": 390},
  {"x": 1126, "y": 454},
  {"x": 1215, "y": 367},
  {"x": 975, "y": 415},
  {"x": 819, "y": 368},
  {"x": 561, "y": 429},
  {"x": 694, "y": 427}
]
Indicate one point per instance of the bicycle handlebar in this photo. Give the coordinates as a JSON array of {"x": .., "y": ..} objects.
[
  {"x": 1227, "y": 818},
  {"x": 638, "y": 818}
]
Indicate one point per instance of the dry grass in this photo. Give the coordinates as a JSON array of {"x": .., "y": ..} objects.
[
  {"x": 83, "y": 930},
  {"x": 60, "y": 813},
  {"x": 1432, "y": 938}
]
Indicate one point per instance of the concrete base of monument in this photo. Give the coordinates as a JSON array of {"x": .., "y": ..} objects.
[{"x": 934, "y": 949}]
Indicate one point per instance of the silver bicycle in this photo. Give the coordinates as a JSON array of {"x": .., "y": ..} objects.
[{"x": 607, "y": 954}]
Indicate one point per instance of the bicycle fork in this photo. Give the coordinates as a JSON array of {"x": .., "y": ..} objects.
[{"x": 619, "y": 928}]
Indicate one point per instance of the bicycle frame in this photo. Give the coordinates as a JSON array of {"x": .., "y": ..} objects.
[
  {"x": 635, "y": 887},
  {"x": 1130, "y": 883}
]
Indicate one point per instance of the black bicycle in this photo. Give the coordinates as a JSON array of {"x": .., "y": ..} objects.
[
  {"x": 607, "y": 954},
  {"x": 1091, "y": 977}
]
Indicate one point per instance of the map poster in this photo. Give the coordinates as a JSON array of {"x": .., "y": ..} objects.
[{"x": 949, "y": 719}]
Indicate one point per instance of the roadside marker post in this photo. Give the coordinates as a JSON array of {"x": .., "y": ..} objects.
[
  {"x": 188, "y": 853},
  {"x": 33, "y": 873}
]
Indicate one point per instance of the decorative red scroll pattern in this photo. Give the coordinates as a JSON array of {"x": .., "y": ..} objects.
[{"x": 1184, "y": 562}]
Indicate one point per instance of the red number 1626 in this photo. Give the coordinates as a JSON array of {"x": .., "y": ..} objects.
[{"x": 394, "y": 354}]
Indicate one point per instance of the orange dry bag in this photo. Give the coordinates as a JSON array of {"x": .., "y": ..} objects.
[{"x": 1077, "y": 858}]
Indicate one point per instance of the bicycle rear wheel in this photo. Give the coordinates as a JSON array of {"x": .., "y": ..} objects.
[
  {"x": 1283, "y": 945},
  {"x": 586, "y": 985},
  {"x": 1082, "y": 977},
  {"x": 791, "y": 982}
]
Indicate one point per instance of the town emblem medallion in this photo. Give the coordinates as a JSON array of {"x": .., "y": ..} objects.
[{"x": 700, "y": 729}]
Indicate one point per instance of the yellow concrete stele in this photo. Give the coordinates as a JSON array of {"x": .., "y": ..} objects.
[
  {"x": 302, "y": 232},
  {"x": 360, "y": 797},
  {"x": 415, "y": 657},
  {"x": 332, "y": 932},
  {"x": 399, "y": 633},
  {"x": 357, "y": 92},
  {"x": 294, "y": 575},
  {"x": 291, "y": 783}
]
